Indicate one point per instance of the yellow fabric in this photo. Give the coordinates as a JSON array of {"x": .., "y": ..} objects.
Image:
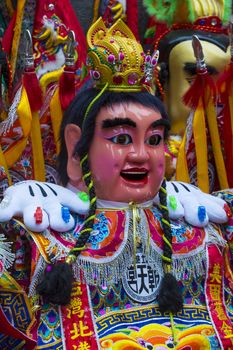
[
  {"x": 56, "y": 118},
  {"x": 48, "y": 78},
  {"x": 24, "y": 113},
  {"x": 182, "y": 173},
  {"x": 200, "y": 140},
  {"x": 10, "y": 7},
  {"x": 37, "y": 149},
  {"x": 17, "y": 34},
  {"x": 3, "y": 163},
  {"x": 96, "y": 10},
  {"x": 208, "y": 8},
  {"x": 216, "y": 144},
  {"x": 13, "y": 154}
]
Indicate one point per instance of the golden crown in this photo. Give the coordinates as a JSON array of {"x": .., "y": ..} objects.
[{"x": 117, "y": 59}]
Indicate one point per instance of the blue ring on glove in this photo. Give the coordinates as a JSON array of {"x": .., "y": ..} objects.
[
  {"x": 65, "y": 213},
  {"x": 201, "y": 213}
]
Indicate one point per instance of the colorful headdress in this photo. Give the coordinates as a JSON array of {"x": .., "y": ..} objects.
[
  {"x": 207, "y": 15},
  {"x": 119, "y": 63}
]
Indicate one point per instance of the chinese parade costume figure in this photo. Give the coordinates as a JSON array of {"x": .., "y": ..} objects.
[{"x": 127, "y": 276}]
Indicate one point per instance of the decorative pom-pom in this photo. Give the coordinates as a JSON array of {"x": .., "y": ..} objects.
[
  {"x": 202, "y": 85},
  {"x": 170, "y": 295},
  {"x": 56, "y": 285}
]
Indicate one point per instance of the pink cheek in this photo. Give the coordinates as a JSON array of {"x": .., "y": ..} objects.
[{"x": 161, "y": 168}]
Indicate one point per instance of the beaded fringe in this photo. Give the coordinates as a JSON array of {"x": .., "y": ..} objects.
[
  {"x": 109, "y": 270},
  {"x": 6, "y": 256}
]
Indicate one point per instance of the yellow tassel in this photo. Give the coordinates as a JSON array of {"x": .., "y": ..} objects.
[
  {"x": 3, "y": 163},
  {"x": 24, "y": 114},
  {"x": 216, "y": 144},
  {"x": 56, "y": 118},
  {"x": 14, "y": 153},
  {"x": 200, "y": 140},
  {"x": 17, "y": 34},
  {"x": 48, "y": 78},
  {"x": 136, "y": 219},
  {"x": 182, "y": 173},
  {"x": 96, "y": 11},
  {"x": 10, "y": 7}
]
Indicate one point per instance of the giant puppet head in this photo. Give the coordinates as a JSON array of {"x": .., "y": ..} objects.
[
  {"x": 204, "y": 18},
  {"x": 120, "y": 126}
]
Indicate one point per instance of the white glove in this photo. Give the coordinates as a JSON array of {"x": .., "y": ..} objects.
[
  {"x": 43, "y": 204},
  {"x": 197, "y": 207}
]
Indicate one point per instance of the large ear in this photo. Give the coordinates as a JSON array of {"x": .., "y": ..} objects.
[{"x": 72, "y": 136}]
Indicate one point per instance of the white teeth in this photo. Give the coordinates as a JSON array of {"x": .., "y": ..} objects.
[{"x": 134, "y": 173}]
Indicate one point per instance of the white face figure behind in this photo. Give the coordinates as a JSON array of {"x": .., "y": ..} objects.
[{"x": 180, "y": 77}]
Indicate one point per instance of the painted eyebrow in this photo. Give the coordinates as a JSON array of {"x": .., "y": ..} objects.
[
  {"x": 161, "y": 122},
  {"x": 110, "y": 123},
  {"x": 192, "y": 70}
]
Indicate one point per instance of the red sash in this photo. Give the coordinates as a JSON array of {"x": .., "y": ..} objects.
[
  {"x": 215, "y": 298},
  {"x": 78, "y": 323}
]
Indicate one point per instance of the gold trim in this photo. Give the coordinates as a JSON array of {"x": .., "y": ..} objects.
[{"x": 35, "y": 237}]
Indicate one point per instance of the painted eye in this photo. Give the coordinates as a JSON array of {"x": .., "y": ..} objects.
[
  {"x": 154, "y": 140},
  {"x": 122, "y": 139}
]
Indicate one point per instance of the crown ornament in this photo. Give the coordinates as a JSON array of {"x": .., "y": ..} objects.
[{"x": 117, "y": 59}]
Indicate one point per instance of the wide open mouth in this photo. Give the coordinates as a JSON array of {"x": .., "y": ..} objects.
[{"x": 135, "y": 174}]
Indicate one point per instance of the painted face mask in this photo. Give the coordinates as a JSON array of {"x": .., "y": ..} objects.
[{"x": 127, "y": 153}]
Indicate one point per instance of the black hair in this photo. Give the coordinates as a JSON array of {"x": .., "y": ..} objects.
[
  {"x": 175, "y": 37},
  {"x": 170, "y": 298}
]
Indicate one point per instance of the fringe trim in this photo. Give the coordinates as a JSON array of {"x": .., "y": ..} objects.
[
  {"x": 39, "y": 271},
  {"x": 110, "y": 270},
  {"x": 6, "y": 256},
  {"x": 6, "y": 124},
  {"x": 214, "y": 237}
]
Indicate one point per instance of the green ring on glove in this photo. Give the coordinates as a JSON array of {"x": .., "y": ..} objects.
[
  {"x": 83, "y": 196},
  {"x": 172, "y": 202}
]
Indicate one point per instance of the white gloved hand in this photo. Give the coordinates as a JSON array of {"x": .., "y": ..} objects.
[
  {"x": 42, "y": 204},
  {"x": 196, "y": 207}
]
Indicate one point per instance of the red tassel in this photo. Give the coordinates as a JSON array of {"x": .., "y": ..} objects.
[
  {"x": 67, "y": 87},
  {"x": 224, "y": 82},
  {"x": 202, "y": 84},
  {"x": 33, "y": 89},
  {"x": 132, "y": 16},
  {"x": 225, "y": 78}
]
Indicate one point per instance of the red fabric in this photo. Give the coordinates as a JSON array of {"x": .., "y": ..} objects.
[
  {"x": 67, "y": 87},
  {"x": 8, "y": 35},
  {"x": 226, "y": 79},
  {"x": 132, "y": 16},
  {"x": 215, "y": 298},
  {"x": 9, "y": 330},
  {"x": 198, "y": 89},
  {"x": 32, "y": 87}
]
